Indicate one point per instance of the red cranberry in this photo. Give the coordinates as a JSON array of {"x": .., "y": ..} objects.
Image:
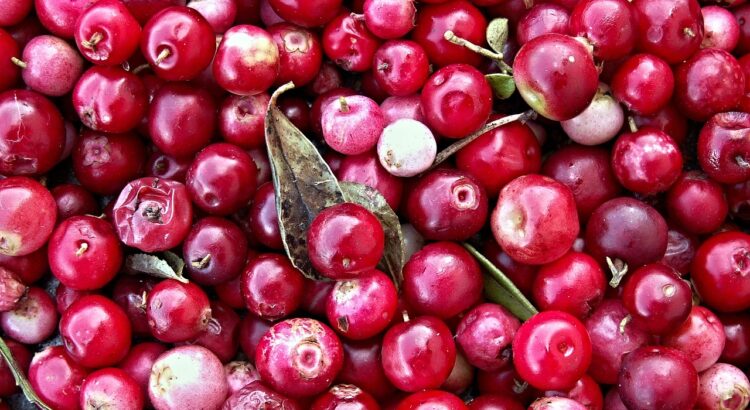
[
  {"x": 96, "y": 332},
  {"x": 366, "y": 169},
  {"x": 110, "y": 99},
  {"x": 344, "y": 240},
  {"x": 240, "y": 374},
  {"x": 230, "y": 292},
  {"x": 322, "y": 101},
  {"x": 50, "y": 65},
  {"x": 246, "y": 61},
  {"x": 107, "y": 33},
  {"x": 556, "y": 76},
  {"x": 164, "y": 166},
  {"x": 668, "y": 119},
  {"x": 327, "y": 79},
  {"x": 73, "y": 200},
  {"x": 139, "y": 361},
  {"x": 111, "y": 387},
  {"x": 215, "y": 251},
  {"x": 389, "y": 19},
  {"x": 542, "y": 19},
  {"x": 363, "y": 307},
  {"x": 644, "y": 83},
  {"x": 657, "y": 377},
  {"x": 181, "y": 119},
  {"x": 300, "y": 53},
  {"x": 152, "y": 214},
  {"x": 418, "y": 354},
  {"x": 252, "y": 330},
  {"x": 299, "y": 357},
  {"x": 535, "y": 220},
  {"x": 32, "y": 133},
  {"x": 607, "y": 24},
  {"x": 56, "y": 378},
  {"x": 221, "y": 335},
  {"x": 521, "y": 274},
  {"x": 130, "y": 292},
  {"x": 297, "y": 110},
  {"x": 670, "y": 29},
  {"x": 506, "y": 382},
  {"x": 701, "y": 338},
  {"x": 104, "y": 163},
  {"x": 396, "y": 108},
  {"x": 738, "y": 198},
  {"x": 9, "y": 48},
  {"x": 694, "y": 190},
  {"x": 315, "y": 297},
  {"x": 257, "y": 394},
  {"x": 552, "y": 350},
  {"x": 680, "y": 251},
  {"x": 352, "y": 125},
  {"x": 586, "y": 392},
  {"x": 241, "y": 120},
  {"x": 456, "y": 100},
  {"x": 447, "y": 204},
  {"x": 485, "y": 334},
  {"x": 737, "y": 347},
  {"x": 646, "y": 161},
  {"x": 458, "y": 16},
  {"x": 556, "y": 403},
  {"x": 178, "y": 55},
  {"x": 84, "y": 252},
  {"x": 709, "y": 82},
  {"x": 401, "y": 67},
  {"x": 177, "y": 311},
  {"x": 461, "y": 377},
  {"x": 432, "y": 400},
  {"x": 220, "y": 14},
  {"x": 29, "y": 268},
  {"x": 65, "y": 296},
  {"x": 304, "y": 13},
  {"x": 272, "y": 287},
  {"x": 720, "y": 271},
  {"x": 442, "y": 280},
  {"x": 263, "y": 218},
  {"x": 28, "y": 217},
  {"x": 345, "y": 396},
  {"x": 657, "y": 298},
  {"x": 613, "y": 335},
  {"x": 723, "y": 385},
  {"x": 348, "y": 43},
  {"x": 720, "y": 28},
  {"x": 362, "y": 368},
  {"x": 15, "y": 12},
  {"x": 626, "y": 229},
  {"x": 573, "y": 283},
  {"x": 22, "y": 356},
  {"x": 722, "y": 153},
  {"x": 501, "y": 155}
]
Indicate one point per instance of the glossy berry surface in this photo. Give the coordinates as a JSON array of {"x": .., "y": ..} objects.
[
  {"x": 352, "y": 125},
  {"x": 107, "y": 33},
  {"x": 29, "y": 216},
  {"x": 642, "y": 367},
  {"x": 574, "y": 283},
  {"x": 458, "y": 16},
  {"x": 104, "y": 163},
  {"x": 721, "y": 155},
  {"x": 246, "y": 61},
  {"x": 672, "y": 30},
  {"x": 300, "y": 53},
  {"x": 344, "y": 240},
  {"x": 306, "y": 14},
  {"x": 348, "y": 43},
  {"x": 607, "y": 24},
  {"x": 56, "y": 377},
  {"x": 644, "y": 83},
  {"x": 271, "y": 287},
  {"x": 702, "y": 84},
  {"x": 646, "y": 161},
  {"x": 215, "y": 251},
  {"x": 485, "y": 334},
  {"x": 718, "y": 271},
  {"x": 363, "y": 307},
  {"x": 110, "y": 99},
  {"x": 176, "y": 311}
]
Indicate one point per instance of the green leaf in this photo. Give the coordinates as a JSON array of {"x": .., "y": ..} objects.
[
  {"x": 501, "y": 290},
  {"x": 502, "y": 85},
  {"x": 303, "y": 182},
  {"x": 168, "y": 267},
  {"x": 393, "y": 255},
  {"x": 20, "y": 377},
  {"x": 497, "y": 34}
]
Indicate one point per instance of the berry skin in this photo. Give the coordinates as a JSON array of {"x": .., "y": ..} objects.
[
  {"x": 352, "y": 125},
  {"x": 406, "y": 148},
  {"x": 28, "y": 217},
  {"x": 247, "y": 61}
]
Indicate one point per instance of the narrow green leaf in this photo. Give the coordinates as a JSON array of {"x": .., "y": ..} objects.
[
  {"x": 393, "y": 255},
  {"x": 497, "y": 34},
  {"x": 20, "y": 377},
  {"x": 503, "y": 85},
  {"x": 502, "y": 290},
  {"x": 170, "y": 267}
]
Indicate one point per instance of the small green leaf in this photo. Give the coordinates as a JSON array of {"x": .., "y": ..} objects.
[
  {"x": 170, "y": 267},
  {"x": 21, "y": 380},
  {"x": 497, "y": 34},
  {"x": 502, "y": 85},
  {"x": 393, "y": 254}
]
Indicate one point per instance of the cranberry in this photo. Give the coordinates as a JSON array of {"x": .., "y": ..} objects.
[
  {"x": 252, "y": 330},
  {"x": 9, "y": 48},
  {"x": 406, "y": 148},
  {"x": 701, "y": 338},
  {"x": 11, "y": 290},
  {"x": 177, "y": 311},
  {"x": 272, "y": 287},
  {"x": 494, "y": 402},
  {"x": 586, "y": 392},
  {"x": 389, "y": 19},
  {"x": 110, "y": 99},
  {"x": 345, "y": 240},
  {"x": 240, "y": 374},
  {"x": 343, "y": 396},
  {"x": 485, "y": 334},
  {"x": 56, "y": 378},
  {"x": 241, "y": 120},
  {"x": 461, "y": 377},
  {"x": 574, "y": 283},
  {"x": 694, "y": 190},
  {"x": 506, "y": 382},
  {"x": 556, "y": 403},
  {"x": 607, "y": 24},
  {"x": 626, "y": 229},
  {"x": 299, "y": 357},
  {"x": 670, "y": 29},
  {"x": 28, "y": 217},
  {"x": 143, "y": 10},
  {"x": 352, "y": 125},
  {"x": 737, "y": 346},
  {"x": 552, "y": 350},
  {"x": 456, "y": 100},
  {"x": 709, "y": 82},
  {"x": 29, "y": 268},
  {"x": 111, "y": 387},
  {"x": 322, "y": 101},
  {"x": 363, "y": 307},
  {"x": 152, "y": 214},
  {"x": 221, "y": 190},
  {"x": 588, "y": 174},
  {"x": 15, "y": 12},
  {"x": 535, "y": 220},
  {"x": 680, "y": 251},
  {"x": 499, "y": 156},
  {"x": 315, "y": 297},
  {"x": 447, "y": 204},
  {"x": 742, "y": 14},
  {"x": 50, "y": 65},
  {"x": 442, "y": 279},
  {"x": 520, "y": 274},
  {"x": 418, "y": 354},
  {"x": 362, "y": 368},
  {"x": 432, "y": 400},
  {"x": 104, "y": 163},
  {"x": 720, "y": 271},
  {"x": 230, "y": 292},
  {"x": 65, "y": 296},
  {"x": 262, "y": 217},
  {"x": 366, "y": 169},
  {"x": 247, "y": 60},
  {"x": 401, "y": 67},
  {"x": 723, "y": 153},
  {"x": 599, "y": 122},
  {"x": 738, "y": 198},
  {"x": 327, "y": 79},
  {"x": 178, "y": 55},
  {"x": 542, "y": 19},
  {"x": 644, "y": 83},
  {"x": 297, "y": 110},
  {"x": 720, "y": 28},
  {"x": 657, "y": 377},
  {"x": 73, "y": 200},
  {"x": 300, "y": 53},
  {"x": 646, "y": 161},
  {"x": 556, "y": 76},
  {"x": 220, "y": 14},
  {"x": 130, "y": 292},
  {"x": 181, "y": 119},
  {"x": 306, "y": 14},
  {"x": 657, "y": 298},
  {"x": 409, "y": 107},
  {"x": 32, "y": 133},
  {"x": 669, "y": 120},
  {"x": 107, "y": 33},
  {"x": 258, "y": 394},
  {"x": 215, "y": 251},
  {"x": 221, "y": 335},
  {"x": 139, "y": 361},
  {"x": 22, "y": 356},
  {"x": 348, "y": 43},
  {"x": 723, "y": 385},
  {"x": 458, "y": 16},
  {"x": 187, "y": 377}
]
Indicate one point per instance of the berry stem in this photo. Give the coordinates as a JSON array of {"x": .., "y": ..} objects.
[
  {"x": 18, "y": 62},
  {"x": 500, "y": 289},
  {"x": 631, "y": 124},
  {"x": 163, "y": 54},
  {"x": 93, "y": 41},
  {"x": 618, "y": 268},
  {"x": 21, "y": 380},
  {"x": 497, "y": 57}
]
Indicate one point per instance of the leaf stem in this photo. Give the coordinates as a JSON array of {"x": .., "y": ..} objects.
[
  {"x": 281, "y": 90},
  {"x": 21, "y": 380},
  {"x": 444, "y": 154},
  {"x": 496, "y": 57},
  {"x": 502, "y": 290}
]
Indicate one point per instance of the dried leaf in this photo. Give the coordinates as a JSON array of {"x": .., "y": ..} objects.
[
  {"x": 502, "y": 85},
  {"x": 155, "y": 266},
  {"x": 393, "y": 255},
  {"x": 303, "y": 182},
  {"x": 497, "y": 34}
]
